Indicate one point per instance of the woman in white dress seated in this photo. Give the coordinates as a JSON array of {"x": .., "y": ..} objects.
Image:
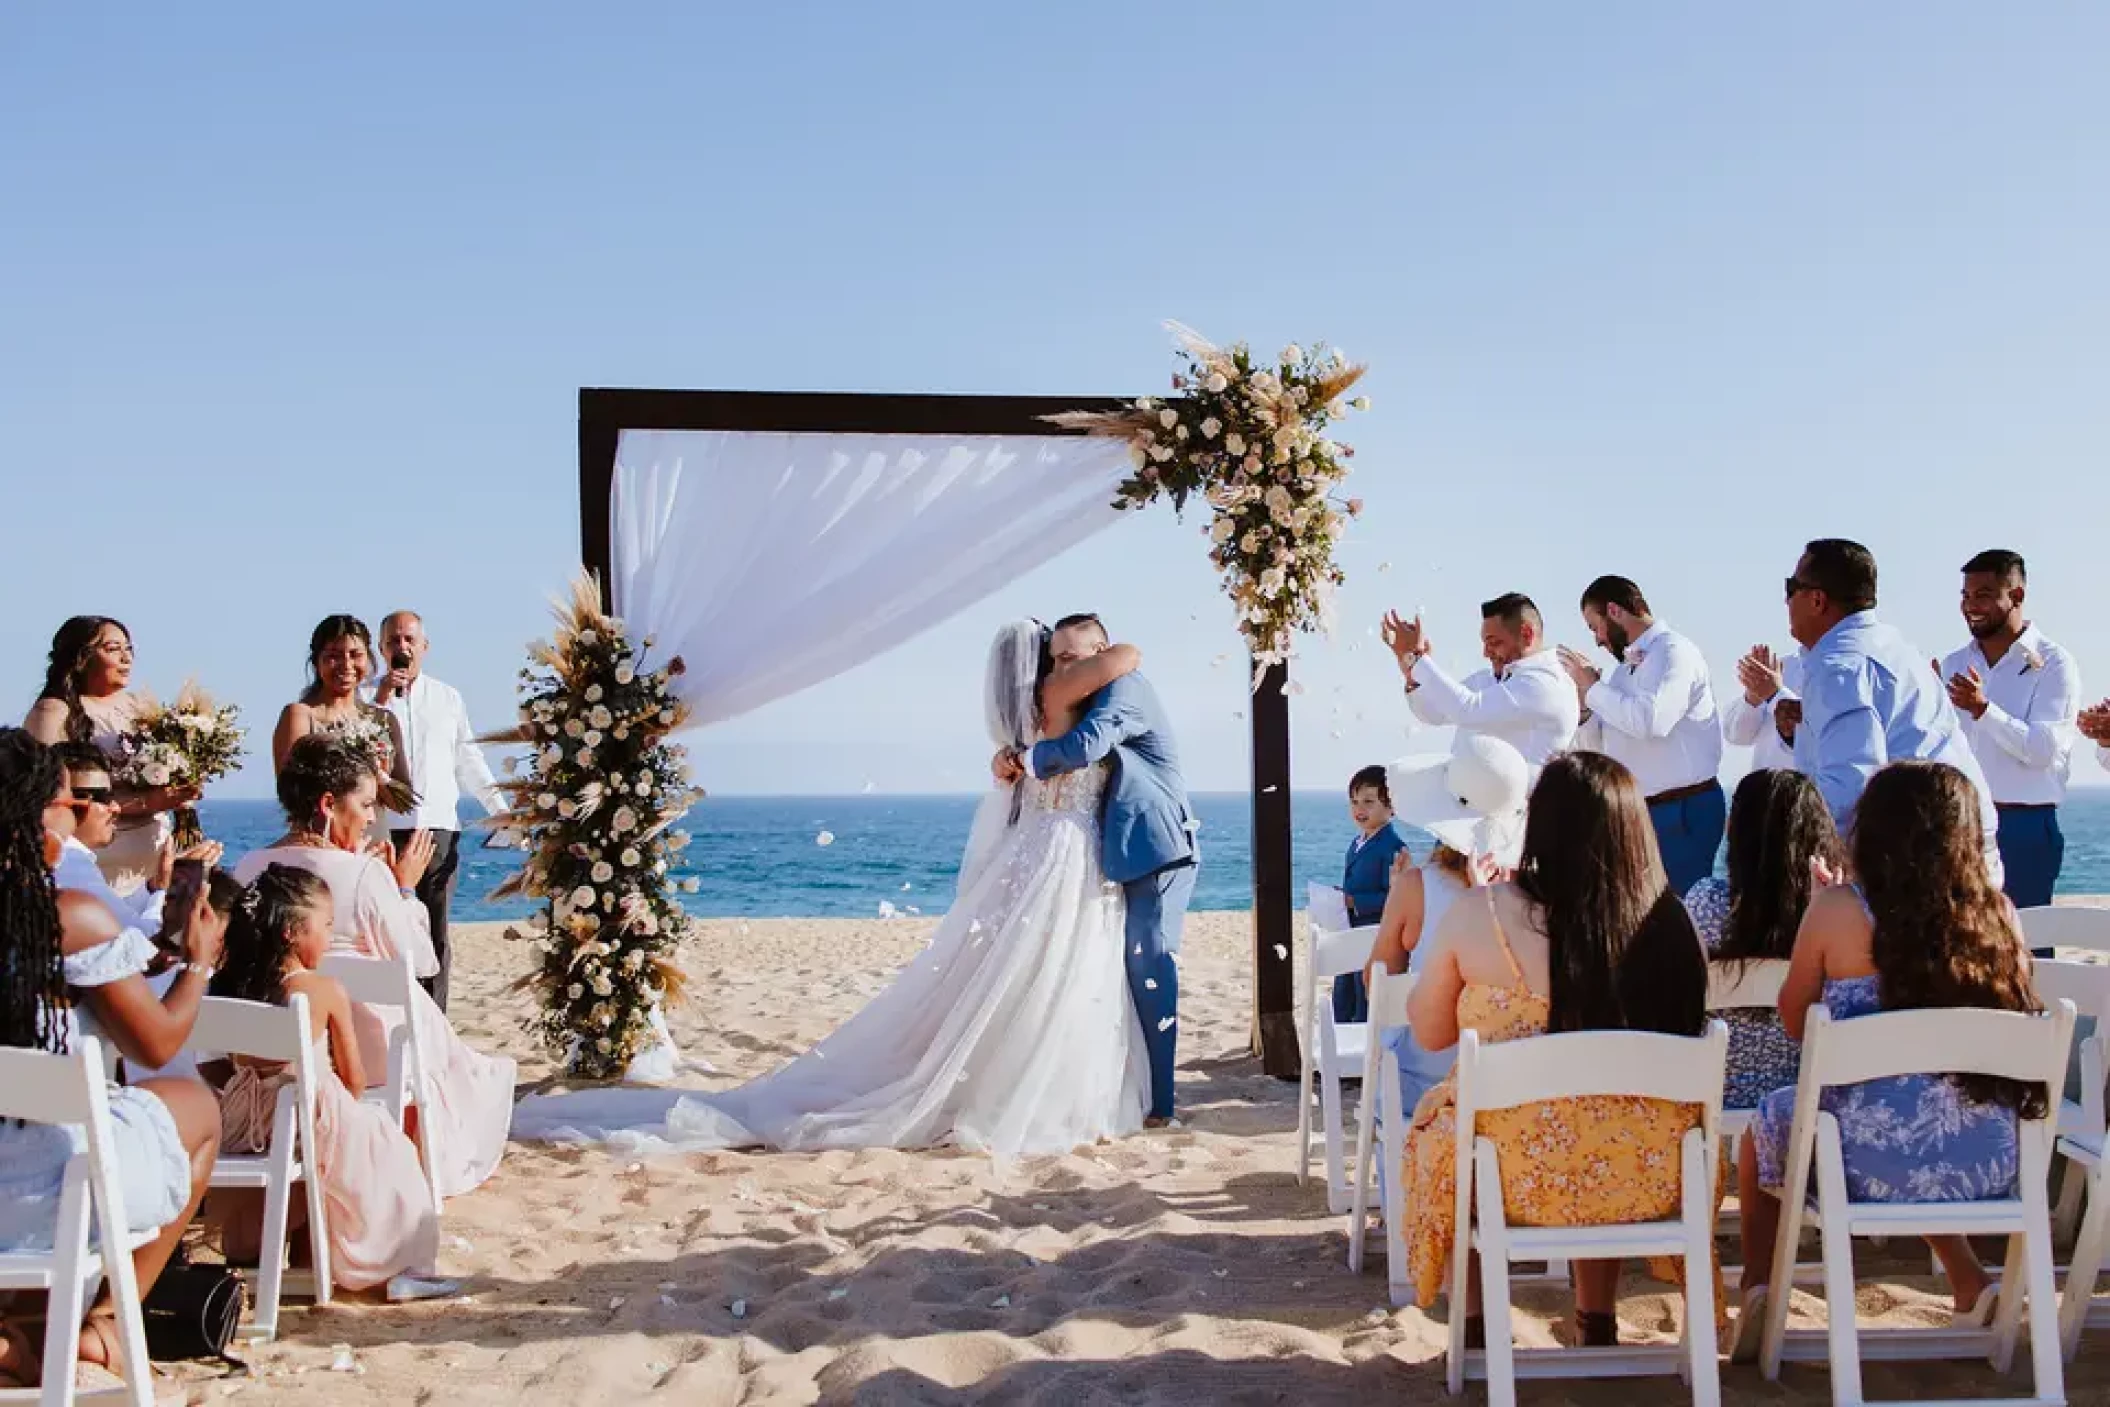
[
  {"x": 328, "y": 792},
  {"x": 57, "y": 950}
]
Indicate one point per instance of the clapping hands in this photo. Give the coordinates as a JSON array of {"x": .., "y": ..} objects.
[
  {"x": 1760, "y": 674},
  {"x": 2095, "y": 724},
  {"x": 1406, "y": 639},
  {"x": 1579, "y": 669}
]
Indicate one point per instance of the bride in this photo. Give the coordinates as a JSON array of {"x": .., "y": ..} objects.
[{"x": 1012, "y": 1033}]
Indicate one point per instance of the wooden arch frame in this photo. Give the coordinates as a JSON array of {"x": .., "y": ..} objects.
[{"x": 604, "y": 413}]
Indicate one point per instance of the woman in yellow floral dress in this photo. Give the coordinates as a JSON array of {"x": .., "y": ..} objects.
[{"x": 1587, "y": 937}]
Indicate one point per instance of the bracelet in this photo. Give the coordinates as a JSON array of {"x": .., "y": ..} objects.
[
  {"x": 200, "y": 968},
  {"x": 406, "y": 891}
]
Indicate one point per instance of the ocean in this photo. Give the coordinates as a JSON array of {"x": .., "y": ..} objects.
[{"x": 760, "y": 856}]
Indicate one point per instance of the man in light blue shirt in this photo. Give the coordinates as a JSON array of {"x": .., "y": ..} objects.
[{"x": 1868, "y": 697}]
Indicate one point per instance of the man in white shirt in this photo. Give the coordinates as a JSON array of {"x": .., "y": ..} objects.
[
  {"x": 1656, "y": 715},
  {"x": 1762, "y": 715},
  {"x": 1521, "y": 697},
  {"x": 444, "y": 761},
  {"x": 2020, "y": 697}
]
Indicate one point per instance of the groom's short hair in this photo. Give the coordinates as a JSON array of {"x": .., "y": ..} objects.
[{"x": 1084, "y": 618}]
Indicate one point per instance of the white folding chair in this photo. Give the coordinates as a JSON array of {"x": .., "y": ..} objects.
[
  {"x": 2087, "y": 986},
  {"x": 1949, "y": 1040},
  {"x": 41, "y": 1088},
  {"x": 1746, "y": 986},
  {"x": 264, "y": 1032},
  {"x": 1332, "y": 1050},
  {"x": 2067, "y": 926},
  {"x": 389, "y": 982},
  {"x": 1684, "y": 1070},
  {"x": 1383, "y": 1098}
]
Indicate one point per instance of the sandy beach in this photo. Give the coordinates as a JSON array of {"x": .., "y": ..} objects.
[{"x": 1178, "y": 1266}]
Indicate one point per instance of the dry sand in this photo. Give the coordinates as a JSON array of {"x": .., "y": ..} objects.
[{"x": 1178, "y": 1266}]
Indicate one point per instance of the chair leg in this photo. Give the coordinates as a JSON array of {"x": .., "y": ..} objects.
[
  {"x": 1359, "y": 1212},
  {"x": 2067, "y": 1216},
  {"x": 1703, "y": 1363},
  {"x": 1494, "y": 1281},
  {"x": 2086, "y": 1266},
  {"x": 1395, "y": 1190},
  {"x": 2007, "y": 1317},
  {"x": 2047, "y": 1367},
  {"x": 1336, "y": 1176},
  {"x": 1303, "y": 1119},
  {"x": 271, "y": 1259},
  {"x": 68, "y": 1302},
  {"x": 1841, "y": 1332}
]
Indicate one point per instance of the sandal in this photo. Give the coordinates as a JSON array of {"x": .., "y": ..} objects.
[
  {"x": 1741, "y": 1340},
  {"x": 104, "y": 1376}
]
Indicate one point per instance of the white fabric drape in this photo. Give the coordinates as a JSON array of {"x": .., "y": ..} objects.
[{"x": 772, "y": 561}]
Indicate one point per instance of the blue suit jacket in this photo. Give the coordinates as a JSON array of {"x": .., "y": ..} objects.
[
  {"x": 1366, "y": 878},
  {"x": 1147, "y": 823}
]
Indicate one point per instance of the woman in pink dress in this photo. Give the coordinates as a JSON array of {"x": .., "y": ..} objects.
[
  {"x": 328, "y": 793},
  {"x": 381, "y": 1219}
]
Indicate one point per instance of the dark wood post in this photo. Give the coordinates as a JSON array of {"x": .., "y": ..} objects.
[{"x": 1274, "y": 988}]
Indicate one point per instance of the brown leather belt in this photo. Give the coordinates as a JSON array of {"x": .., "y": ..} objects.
[
  {"x": 1683, "y": 793},
  {"x": 2025, "y": 806}
]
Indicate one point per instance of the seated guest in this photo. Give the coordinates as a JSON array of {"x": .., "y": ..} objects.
[
  {"x": 1923, "y": 925},
  {"x": 87, "y": 698},
  {"x": 1781, "y": 845},
  {"x": 328, "y": 793},
  {"x": 166, "y": 1131},
  {"x": 1365, "y": 877},
  {"x": 381, "y": 1218},
  {"x": 1587, "y": 937},
  {"x": 95, "y": 829},
  {"x": 1473, "y": 803}
]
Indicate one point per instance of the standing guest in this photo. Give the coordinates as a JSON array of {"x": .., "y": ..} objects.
[
  {"x": 1473, "y": 803},
  {"x": 1655, "y": 715},
  {"x": 340, "y": 660},
  {"x": 87, "y": 698},
  {"x": 328, "y": 793},
  {"x": 2020, "y": 696},
  {"x": 1762, "y": 714},
  {"x": 1520, "y": 697},
  {"x": 1366, "y": 877},
  {"x": 1867, "y": 697},
  {"x": 1782, "y": 846},
  {"x": 443, "y": 761},
  {"x": 59, "y": 953},
  {"x": 1921, "y": 927},
  {"x": 1587, "y": 937},
  {"x": 382, "y": 1225}
]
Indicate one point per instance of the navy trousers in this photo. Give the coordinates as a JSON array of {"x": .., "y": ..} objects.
[
  {"x": 1157, "y": 910},
  {"x": 2032, "y": 848},
  {"x": 1689, "y": 833}
]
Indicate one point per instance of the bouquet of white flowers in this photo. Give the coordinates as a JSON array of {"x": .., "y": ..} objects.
[{"x": 192, "y": 742}]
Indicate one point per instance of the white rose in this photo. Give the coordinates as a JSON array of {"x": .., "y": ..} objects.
[
  {"x": 1360, "y": 403},
  {"x": 547, "y": 801},
  {"x": 586, "y": 758},
  {"x": 593, "y": 693},
  {"x": 691, "y": 885},
  {"x": 593, "y": 737},
  {"x": 550, "y": 728},
  {"x": 1249, "y": 544},
  {"x": 1216, "y": 385},
  {"x": 156, "y": 774},
  {"x": 1222, "y": 529},
  {"x": 624, "y": 674},
  {"x": 666, "y": 715},
  {"x": 1211, "y": 428},
  {"x": 1168, "y": 417},
  {"x": 644, "y": 784},
  {"x": 1145, "y": 403},
  {"x": 603, "y": 872},
  {"x": 601, "y": 717},
  {"x": 633, "y": 960},
  {"x": 621, "y": 733},
  {"x": 625, "y": 820},
  {"x": 630, "y": 858},
  {"x": 582, "y": 897},
  {"x": 678, "y": 840},
  {"x": 1180, "y": 433},
  {"x": 575, "y": 991},
  {"x": 1292, "y": 353},
  {"x": 602, "y": 987},
  {"x": 1160, "y": 453},
  {"x": 1234, "y": 443},
  {"x": 567, "y": 809},
  {"x": 601, "y": 1044},
  {"x": 573, "y": 728},
  {"x": 587, "y": 637}
]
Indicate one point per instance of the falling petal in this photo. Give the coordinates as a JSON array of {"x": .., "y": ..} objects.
[
  {"x": 838, "y": 1293},
  {"x": 615, "y": 1303},
  {"x": 1384, "y": 566},
  {"x": 1165, "y": 1022},
  {"x": 871, "y": 787},
  {"x": 1282, "y": 952},
  {"x": 1000, "y": 1302},
  {"x": 1150, "y": 984},
  {"x": 906, "y": 886},
  {"x": 739, "y": 1308},
  {"x": 825, "y": 838},
  {"x": 1265, "y": 790}
]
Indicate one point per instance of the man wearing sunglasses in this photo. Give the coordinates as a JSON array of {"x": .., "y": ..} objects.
[
  {"x": 84, "y": 818},
  {"x": 1868, "y": 698}
]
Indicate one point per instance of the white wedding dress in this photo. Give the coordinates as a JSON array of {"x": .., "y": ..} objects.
[{"x": 1012, "y": 1033}]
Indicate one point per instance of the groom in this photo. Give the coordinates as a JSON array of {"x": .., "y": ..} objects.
[{"x": 1147, "y": 833}]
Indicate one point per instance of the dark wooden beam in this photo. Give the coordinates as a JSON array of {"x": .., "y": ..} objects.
[{"x": 1274, "y": 987}]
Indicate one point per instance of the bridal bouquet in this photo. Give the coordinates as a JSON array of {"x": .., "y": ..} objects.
[
  {"x": 366, "y": 732},
  {"x": 596, "y": 801},
  {"x": 192, "y": 742},
  {"x": 1249, "y": 436}
]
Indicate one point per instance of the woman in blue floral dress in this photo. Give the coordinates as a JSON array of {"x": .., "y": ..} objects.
[
  {"x": 1782, "y": 845},
  {"x": 1923, "y": 926}
]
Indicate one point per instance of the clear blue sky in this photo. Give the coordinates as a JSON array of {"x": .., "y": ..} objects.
[{"x": 294, "y": 307}]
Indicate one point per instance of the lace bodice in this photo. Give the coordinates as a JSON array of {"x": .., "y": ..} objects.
[{"x": 1077, "y": 793}]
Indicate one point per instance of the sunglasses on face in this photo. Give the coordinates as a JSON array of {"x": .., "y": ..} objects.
[
  {"x": 1796, "y": 585},
  {"x": 84, "y": 797}
]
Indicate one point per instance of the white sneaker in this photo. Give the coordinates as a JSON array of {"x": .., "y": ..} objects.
[{"x": 403, "y": 1289}]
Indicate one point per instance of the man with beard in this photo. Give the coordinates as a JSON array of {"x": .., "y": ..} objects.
[
  {"x": 2020, "y": 697},
  {"x": 1655, "y": 714},
  {"x": 1520, "y": 697}
]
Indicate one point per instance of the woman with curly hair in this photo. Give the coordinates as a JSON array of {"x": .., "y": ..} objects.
[
  {"x": 1923, "y": 926},
  {"x": 87, "y": 698},
  {"x": 328, "y": 792},
  {"x": 381, "y": 1217},
  {"x": 166, "y": 1131}
]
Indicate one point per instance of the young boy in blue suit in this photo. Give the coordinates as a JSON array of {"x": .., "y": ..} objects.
[{"x": 1366, "y": 878}]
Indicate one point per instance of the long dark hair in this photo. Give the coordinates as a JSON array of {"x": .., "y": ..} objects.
[
  {"x": 32, "y": 972},
  {"x": 260, "y": 928},
  {"x": 1944, "y": 936},
  {"x": 333, "y": 629},
  {"x": 1621, "y": 949},
  {"x": 72, "y": 651},
  {"x": 1778, "y": 824}
]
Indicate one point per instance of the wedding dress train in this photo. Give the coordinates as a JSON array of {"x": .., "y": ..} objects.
[{"x": 1012, "y": 1033}]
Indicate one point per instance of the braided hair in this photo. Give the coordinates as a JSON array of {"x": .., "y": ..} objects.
[
  {"x": 32, "y": 971},
  {"x": 260, "y": 927},
  {"x": 72, "y": 651}
]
